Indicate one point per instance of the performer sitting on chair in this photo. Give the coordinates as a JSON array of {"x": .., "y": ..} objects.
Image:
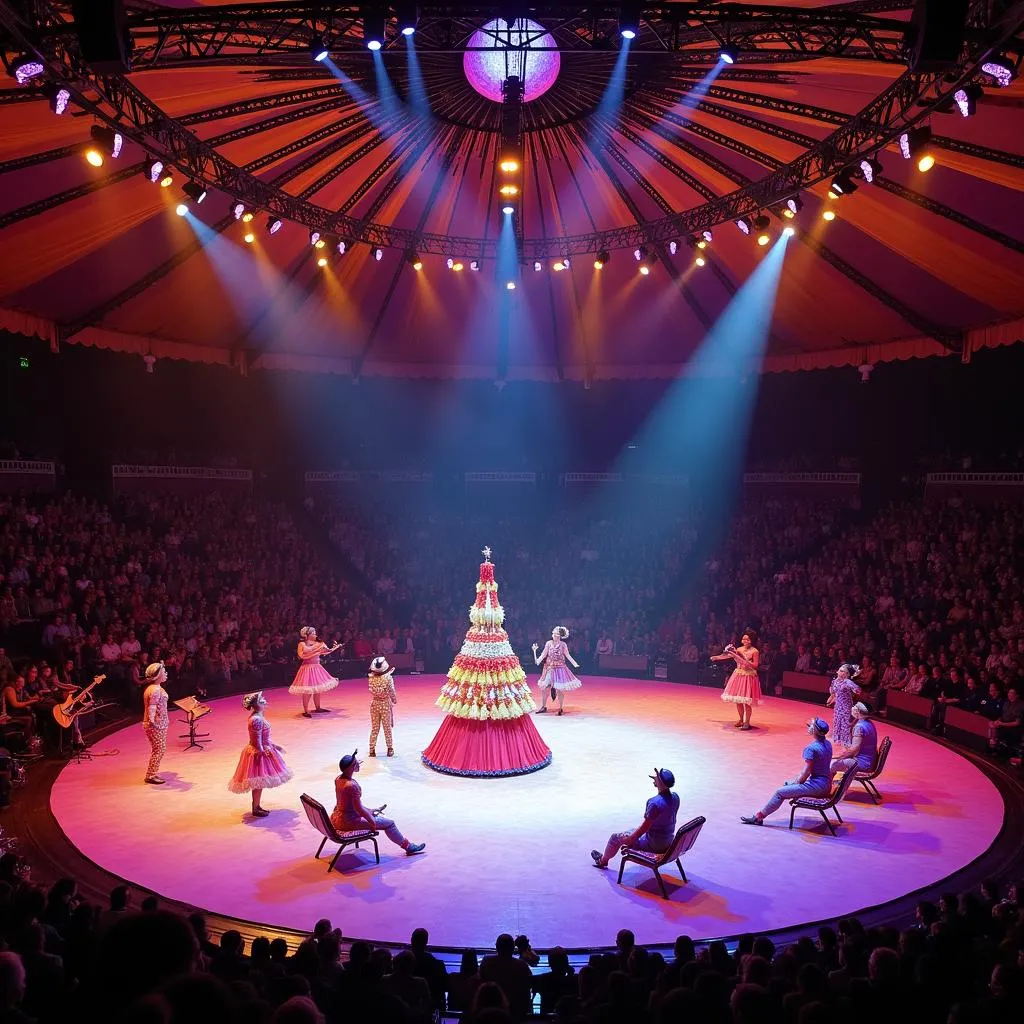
[
  {"x": 816, "y": 779},
  {"x": 349, "y": 814},
  {"x": 382, "y": 702},
  {"x": 656, "y": 831},
  {"x": 863, "y": 751}
]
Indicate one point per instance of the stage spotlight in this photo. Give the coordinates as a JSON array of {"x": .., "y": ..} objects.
[
  {"x": 167, "y": 178},
  {"x": 559, "y": 265},
  {"x": 508, "y": 210},
  {"x": 639, "y": 254},
  {"x": 789, "y": 231},
  {"x": 249, "y": 237},
  {"x": 238, "y": 210},
  {"x": 341, "y": 246},
  {"x": 510, "y": 285},
  {"x": 474, "y": 265},
  {"x": 181, "y": 209},
  {"x": 316, "y": 240},
  {"x": 764, "y": 238},
  {"x": 450, "y": 263},
  {"x": 406, "y": 13},
  {"x": 744, "y": 225},
  {"x": 537, "y": 266},
  {"x": 320, "y": 51},
  {"x": 760, "y": 225},
  {"x": 871, "y": 169},
  {"x": 699, "y": 261},
  {"x": 843, "y": 184},
  {"x": 26, "y": 67},
  {"x": 373, "y": 27},
  {"x": 794, "y": 204},
  {"x": 629, "y": 20},
  {"x": 457, "y": 266},
  {"x": 829, "y": 215},
  {"x": 107, "y": 140},
  {"x": 274, "y": 224},
  {"x": 94, "y": 157},
  {"x": 57, "y": 97},
  {"x": 414, "y": 261},
  {"x": 378, "y": 254},
  {"x": 322, "y": 261},
  {"x": 509, "y": 164},
  {"x": 644, "y": 260},
  {"x": 967, "y": 99},
  {"x": 1002, "y": 69},
  {"x": 601, "y": 259},
  {"x": 153, "y": 170},
  {"x": 195, "y": 192},
  {"x": 672, "y": 247},
  {"x": 729, "y": 55},
  {"x": 916, "y": 144},
  {"x": 706, "y": 235},
  {"x": 509, "y": 190}
]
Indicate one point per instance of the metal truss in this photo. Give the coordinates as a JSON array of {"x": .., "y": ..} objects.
[
  {"x": 280, "y": 32},
  {"x": 115, "y": 100}
]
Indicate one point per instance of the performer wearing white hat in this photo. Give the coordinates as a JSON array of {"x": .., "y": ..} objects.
[
  {"x": 312, "y": 678},
  {"x": 382, "y": 703},
  {"x": 155, "y": 719}
]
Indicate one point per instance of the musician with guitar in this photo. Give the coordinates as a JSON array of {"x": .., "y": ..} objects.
[{"x": 75, "y": 702}]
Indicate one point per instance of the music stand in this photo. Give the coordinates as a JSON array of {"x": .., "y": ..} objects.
[{"x": 194, "y": 710}]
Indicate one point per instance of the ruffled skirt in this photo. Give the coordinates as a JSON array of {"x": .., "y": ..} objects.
[
  {"x": 470, "y": 747},
  {"x": 259, "y": 771},
  {"x": 742, "y": 688},
  {"x": 559, "y": 678},
  {"x": 312, "y": 679}
]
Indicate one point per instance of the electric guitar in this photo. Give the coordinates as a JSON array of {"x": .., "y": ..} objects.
[{"x": 67, "y": 712}]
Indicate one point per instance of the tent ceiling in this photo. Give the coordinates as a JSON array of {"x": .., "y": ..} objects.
[{"x": 911, "y": 263}]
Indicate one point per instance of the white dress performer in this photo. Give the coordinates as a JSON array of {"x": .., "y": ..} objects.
[
  {"x": 312, "y": 679},
  {"x": 555, "y": 676}
]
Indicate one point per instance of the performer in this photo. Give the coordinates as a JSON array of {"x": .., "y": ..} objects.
[
  {"x": 349, "y": 814},
  {"x": 863, "y": 751},
  {"x": 260, "y": 765},
  {"x": 155, "y": 720},
  {"x": 841, "y": 696},
  {"x": 487, "y": 731},
  {"x": 312, "y": 679},
  {"x": 815, "y": 780},
  {"x": 656, "y": 831},
  {"x": 555, "y": 676},
  {"x": 382, "y": 703},
  {"x": 743, "y": 688}
]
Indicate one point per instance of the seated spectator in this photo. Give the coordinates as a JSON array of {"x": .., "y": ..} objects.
[
  {"x": 463, "y": 985},
  {"x": 509, "y": 974},
  {"x": 557, "y": 982},
  {"x": 1005, "y": 731}
]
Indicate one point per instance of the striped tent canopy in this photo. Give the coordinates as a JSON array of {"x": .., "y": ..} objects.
[{"x": 402, "y": 154}]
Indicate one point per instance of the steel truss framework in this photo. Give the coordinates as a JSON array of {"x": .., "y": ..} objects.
[{"x": 286, "y": 31}]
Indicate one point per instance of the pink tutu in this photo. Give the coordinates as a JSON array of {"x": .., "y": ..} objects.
[
  {"x": 743, "y": 687},
  {"x": 559, "y": 677},
  {"x": 259, "y": 771},
  {"x": 312, "y": 678}
]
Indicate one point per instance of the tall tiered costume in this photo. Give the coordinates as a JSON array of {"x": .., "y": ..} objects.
[{"x": 487, "y": 730}]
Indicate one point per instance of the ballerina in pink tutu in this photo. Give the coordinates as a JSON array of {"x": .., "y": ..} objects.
[
  {"x": 312, "y": 679},
  {"x": 743, "y": 688},
  {"x": 260, "y": 765},
  {"x": 555, "y": 678}
]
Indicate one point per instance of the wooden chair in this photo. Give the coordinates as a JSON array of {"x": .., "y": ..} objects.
[
  {"x": 867, "y": 779},
  {"x": 683, "y": 841},
  {"x": 321, "y": 821},
  {"x": 823, "y": 803}
]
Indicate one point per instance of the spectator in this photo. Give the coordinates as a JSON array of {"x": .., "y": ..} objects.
[{"x": 510, "y": 974}]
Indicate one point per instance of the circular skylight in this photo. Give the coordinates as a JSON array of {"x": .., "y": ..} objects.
[{"x": 527, "y": 51}]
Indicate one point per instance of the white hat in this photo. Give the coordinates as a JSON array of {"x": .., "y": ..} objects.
[
  {"x": 155, "y": 670},
  {"x": 380, "y": 666}
]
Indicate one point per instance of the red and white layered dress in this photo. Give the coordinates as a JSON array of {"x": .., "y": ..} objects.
[{"x": 487, "y": 730}]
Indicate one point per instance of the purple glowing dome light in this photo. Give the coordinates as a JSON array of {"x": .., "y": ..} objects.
[{"x": 537, "y": 65}]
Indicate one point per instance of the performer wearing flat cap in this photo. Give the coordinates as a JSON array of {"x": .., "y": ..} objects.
[
  {"x": 863, "y": 749},
  {"x": 815, "y": 780},
  {"x": 382, "y": 703},
  {"x": 349, "y": 814},
  {"x": 656, "y": 831}
]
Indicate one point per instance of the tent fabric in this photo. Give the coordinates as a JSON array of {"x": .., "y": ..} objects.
[{"x": 97, "y": 256}]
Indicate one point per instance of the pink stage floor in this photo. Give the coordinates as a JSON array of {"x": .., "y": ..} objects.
[{"x": 513, "y": 854}]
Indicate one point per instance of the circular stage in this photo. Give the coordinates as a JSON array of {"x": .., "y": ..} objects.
[{"x": 514, "y": 854}]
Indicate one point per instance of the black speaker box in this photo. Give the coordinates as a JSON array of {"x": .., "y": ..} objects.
[
  {"x": 937, "y": 34},
  {"x": 103, "y": 36}
]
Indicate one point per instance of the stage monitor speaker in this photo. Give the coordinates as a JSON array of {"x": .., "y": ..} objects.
[
  {"x": 936, "y": 34},
  {"x": 103, "y": 35}
]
